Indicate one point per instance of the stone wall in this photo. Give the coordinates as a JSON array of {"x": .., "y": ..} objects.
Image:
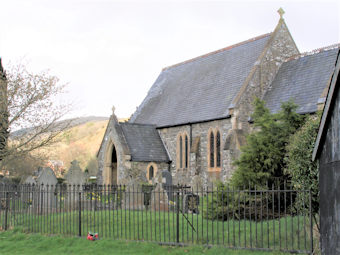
[
  {"x": 281, "y": 46},
  {"x": 112, "y": 138},
  {"x": 197, "y": 174},
  {"x": 137, "y": 174}
]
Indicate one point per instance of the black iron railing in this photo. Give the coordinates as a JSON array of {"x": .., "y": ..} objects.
[{"x": 263, "y": 219}]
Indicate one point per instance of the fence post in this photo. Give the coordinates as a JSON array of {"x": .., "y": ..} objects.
[
  {"x": 41, "y": 198},
  {"x": 6, "y": 209},
  {"x": 177, "y": 217},
  {"x": 311, "y": 222},
  {"x": 79, "y": 233}
]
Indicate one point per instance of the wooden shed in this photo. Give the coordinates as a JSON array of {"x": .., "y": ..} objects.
[{"x": 327, "y": 151}]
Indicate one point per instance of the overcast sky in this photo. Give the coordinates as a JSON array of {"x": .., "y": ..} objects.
[{"x": 110, "y": 52}]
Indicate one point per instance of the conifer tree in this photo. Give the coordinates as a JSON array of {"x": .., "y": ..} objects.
[{"x": 262, "y": 159}]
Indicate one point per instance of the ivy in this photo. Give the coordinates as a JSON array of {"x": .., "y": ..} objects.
[{"x": 299, "y": 165}]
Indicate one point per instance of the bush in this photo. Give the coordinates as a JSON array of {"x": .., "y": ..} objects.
[
  {"x": 303, "y": 171},
  {"x": 227, "y": 202}
]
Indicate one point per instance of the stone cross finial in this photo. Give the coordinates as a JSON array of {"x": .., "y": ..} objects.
[
  {"x": 113, "y": 109},
  {"x": 281, "y": 12}
]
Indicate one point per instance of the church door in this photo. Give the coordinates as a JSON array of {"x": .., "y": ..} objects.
[{"x": 113, "y": 173}]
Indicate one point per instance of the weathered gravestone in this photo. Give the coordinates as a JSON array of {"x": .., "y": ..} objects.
[
  {"x": 167, "y": 184},
  {"x": 159, "y": 199},
  {"x": 191, "y": 203},
  {"x": 75, "y": 179},
  {"x": 41, "y": 195},
  {"x": 75, "y": 175},
  {"x": 46, "y": 177}
]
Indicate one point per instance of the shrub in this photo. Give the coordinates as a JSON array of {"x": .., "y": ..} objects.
[{"x": 299, "y": 165}]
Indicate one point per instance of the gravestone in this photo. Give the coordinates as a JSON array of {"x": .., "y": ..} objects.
[
  {"x": 75, "y": 179},
  {"x": 147, "y": 192},
  {"x": 167, "y": 184},
  {"x": 75, "y": 175},
  {"x": 159, "y": 199},
  {"x": 191, "y": 203},
  {"x": 46, "y": 180},
  {"x": 30, "y": 180},
  {"x": 46, "y": 177},
  {"x": 41, "y": 196}
]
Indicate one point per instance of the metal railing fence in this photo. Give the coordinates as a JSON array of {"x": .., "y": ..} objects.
[{"x": 262, "y": 219}]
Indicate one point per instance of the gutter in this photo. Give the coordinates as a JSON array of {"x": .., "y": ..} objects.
[{"x": 194, "y": 122}]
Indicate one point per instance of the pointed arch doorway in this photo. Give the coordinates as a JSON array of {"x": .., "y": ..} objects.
[
  {"x": 113, "y": 174},
  {"x": 111, "y": 169}
]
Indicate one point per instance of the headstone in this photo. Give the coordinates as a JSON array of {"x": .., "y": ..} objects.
[
  {"x": 75, "y": 175},
  {"x": 191, "y": 203},
  {"x": 147, "y": 192},
  {"x": 30, "y": 180},
  {"x": 46, "y": 176},
  {"x": 41, "y": 196},
  {"x": 159, "y": 199},
  {"x": 75, "y": 179},
  {"x": 167, "y": 184}
]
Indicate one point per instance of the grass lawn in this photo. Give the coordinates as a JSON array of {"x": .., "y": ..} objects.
[
  {"x": 289, "y": 232},
  {"x": 17, "y": 242}
]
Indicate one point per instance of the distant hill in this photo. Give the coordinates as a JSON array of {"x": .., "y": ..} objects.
[
  {"x": 80, "y": 142},
  {"x": 70, "y": 122}
]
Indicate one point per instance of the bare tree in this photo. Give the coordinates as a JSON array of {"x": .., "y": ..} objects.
[
  {"x": 30, "y": 106},
  {"x": 3, "y": 112}
]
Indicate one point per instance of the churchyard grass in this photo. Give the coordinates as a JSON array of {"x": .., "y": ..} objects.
[
  {"x": 161, "y": 227},
  {"x": 17, "y": 242}
]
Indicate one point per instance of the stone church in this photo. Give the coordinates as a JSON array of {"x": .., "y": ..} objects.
[{"x": 197, "y": 114}]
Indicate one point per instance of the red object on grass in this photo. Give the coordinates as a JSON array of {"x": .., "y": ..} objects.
[{"x": 92, "y": 236}]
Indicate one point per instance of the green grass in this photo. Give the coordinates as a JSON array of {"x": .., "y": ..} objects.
[
  {"x": 161, "y": 227},
  {"x": 17, "y": 242}
]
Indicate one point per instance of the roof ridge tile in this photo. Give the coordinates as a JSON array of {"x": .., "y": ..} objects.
[{"x": 313, "y": 52}]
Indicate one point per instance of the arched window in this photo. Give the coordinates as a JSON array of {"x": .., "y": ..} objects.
[
  {"x": 151, "y": 171},
  {"x": 214, "y": 150},
  {"x": 186, "y": 155},
  {"x": 218, "y": 149},
  {"x": 182, "y": 150}
]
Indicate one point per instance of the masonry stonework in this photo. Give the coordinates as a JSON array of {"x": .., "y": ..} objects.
[
  {"x": 280, "y": 47},
  {"x": 112, "y": 140},
  {"x": 204, "y": 94},
  {"x": 197, "y": 174}
]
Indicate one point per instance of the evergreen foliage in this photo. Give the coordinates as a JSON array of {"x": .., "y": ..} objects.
[
  {"x": 262, "y": 159},
  {"x": 299, "y": 165}
]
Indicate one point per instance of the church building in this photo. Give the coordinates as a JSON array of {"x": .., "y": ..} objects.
[{"x": 196, "y": 115}]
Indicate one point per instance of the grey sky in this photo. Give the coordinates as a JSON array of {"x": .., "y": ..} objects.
[{"x": 111, "y": 52}]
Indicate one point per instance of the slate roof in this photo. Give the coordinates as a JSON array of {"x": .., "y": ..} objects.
[
  {"x": 332, "y": 96},
  {"x": 200, "y": 89},
  {"x": 144, "y": 143},
  {"x": 303, "y": 80}
]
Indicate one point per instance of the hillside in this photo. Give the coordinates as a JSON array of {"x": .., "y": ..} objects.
[
  {"x": 80, "y": 142},
  {"x": 61, "y": 124}
]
